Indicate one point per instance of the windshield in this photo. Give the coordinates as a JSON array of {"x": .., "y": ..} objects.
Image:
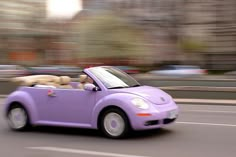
[{"x": 113, "y": 78}]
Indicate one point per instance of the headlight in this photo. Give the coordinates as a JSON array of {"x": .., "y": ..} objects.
[{"x": 140, "y": 103}]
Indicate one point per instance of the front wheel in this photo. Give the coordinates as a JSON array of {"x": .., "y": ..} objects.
[
  {"x": 17, "y": 118},
  {"x": 114, "y": 123}
]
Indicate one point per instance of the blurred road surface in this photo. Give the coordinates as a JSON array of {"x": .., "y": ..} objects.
[{"x": 201, "y": 130}]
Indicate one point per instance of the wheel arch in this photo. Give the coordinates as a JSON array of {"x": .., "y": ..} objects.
[
  {"x": 116, "y": 100},
  {"x": 25, "y": 100},
  {"x": 99, "y": 118},
  {"x": 16, "y": 103}
]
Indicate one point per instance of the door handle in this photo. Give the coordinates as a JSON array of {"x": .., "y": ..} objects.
[{"x": 51, "y": 93}]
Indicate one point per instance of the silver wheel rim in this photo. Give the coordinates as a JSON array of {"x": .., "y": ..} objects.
[
  {"x": 114, "y": 124},
  {"x": 17, "y": 118}
]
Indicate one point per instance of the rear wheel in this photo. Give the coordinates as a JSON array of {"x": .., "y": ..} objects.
[
  {"x": 114, "y": 123},
  {"x": 18, "y": 118}
]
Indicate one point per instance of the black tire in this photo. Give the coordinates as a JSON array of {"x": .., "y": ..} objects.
[
  {"x": 25, "y": 125},
  {"x": 124, "y": 124}
]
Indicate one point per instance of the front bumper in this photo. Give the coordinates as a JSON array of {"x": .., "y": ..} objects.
[{"x": 160, "y": 116}]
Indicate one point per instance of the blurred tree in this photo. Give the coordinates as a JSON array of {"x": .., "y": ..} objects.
[
  {"x": 194, "y": 50},
  {"x": 109, "y": 36},
  {"x": 192, "y": 45}
]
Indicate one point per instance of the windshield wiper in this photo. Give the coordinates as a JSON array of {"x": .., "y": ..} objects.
[
  {"x": 137, "y": 85},
  {"x": 118, "y": 87}
]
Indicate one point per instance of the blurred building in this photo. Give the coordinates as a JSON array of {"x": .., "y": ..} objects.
[
  {"x": 155, "y": 17},
  {"x": 23, "y": 32},
  {"x": 28, "y": 37},
  {"x": 213, "y": 23}
]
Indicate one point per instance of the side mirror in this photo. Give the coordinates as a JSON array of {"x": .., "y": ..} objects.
[{"x": 90, "y": 87}]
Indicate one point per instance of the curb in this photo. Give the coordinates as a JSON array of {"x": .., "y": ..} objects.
[
  {"x": 3, "y": 96},
  {"x": 206, "y": 101},
  {"x": 199, "y": 88}
]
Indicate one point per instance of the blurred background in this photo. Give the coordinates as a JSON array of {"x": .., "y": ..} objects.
[{"x": 161, "y": 37}]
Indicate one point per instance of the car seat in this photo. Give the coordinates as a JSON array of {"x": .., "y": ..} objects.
[
  {"x": 65, "y": 82},
  {"x": 83, "y": 79},
  {"x": 55, "y": 82}
]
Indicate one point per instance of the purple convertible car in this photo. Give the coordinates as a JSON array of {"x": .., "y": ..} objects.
[{"x": 105, "y": 98}]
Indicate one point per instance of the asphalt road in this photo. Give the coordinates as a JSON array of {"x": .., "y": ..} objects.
[{"x": 201, "y": 131}]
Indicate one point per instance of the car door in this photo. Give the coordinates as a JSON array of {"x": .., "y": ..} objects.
[{"x": 69, "y": 106}]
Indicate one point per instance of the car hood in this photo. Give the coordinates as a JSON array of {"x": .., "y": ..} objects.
[{"x": 152, "y": 94}]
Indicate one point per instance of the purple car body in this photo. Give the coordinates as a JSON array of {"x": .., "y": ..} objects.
[{"x": 145, "y": 107}]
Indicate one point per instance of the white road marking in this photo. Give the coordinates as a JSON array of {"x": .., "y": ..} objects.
[
  {"x": 212, "y": 101},
  {"x": 210, "y": 124},
  {"x": 79, "y": 151},
  {"x": 209, "y": 111}
]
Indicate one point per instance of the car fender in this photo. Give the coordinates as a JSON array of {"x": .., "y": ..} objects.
[
  {"x": 121, "y": 100},
  {"x": 26, "y": 101}
]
